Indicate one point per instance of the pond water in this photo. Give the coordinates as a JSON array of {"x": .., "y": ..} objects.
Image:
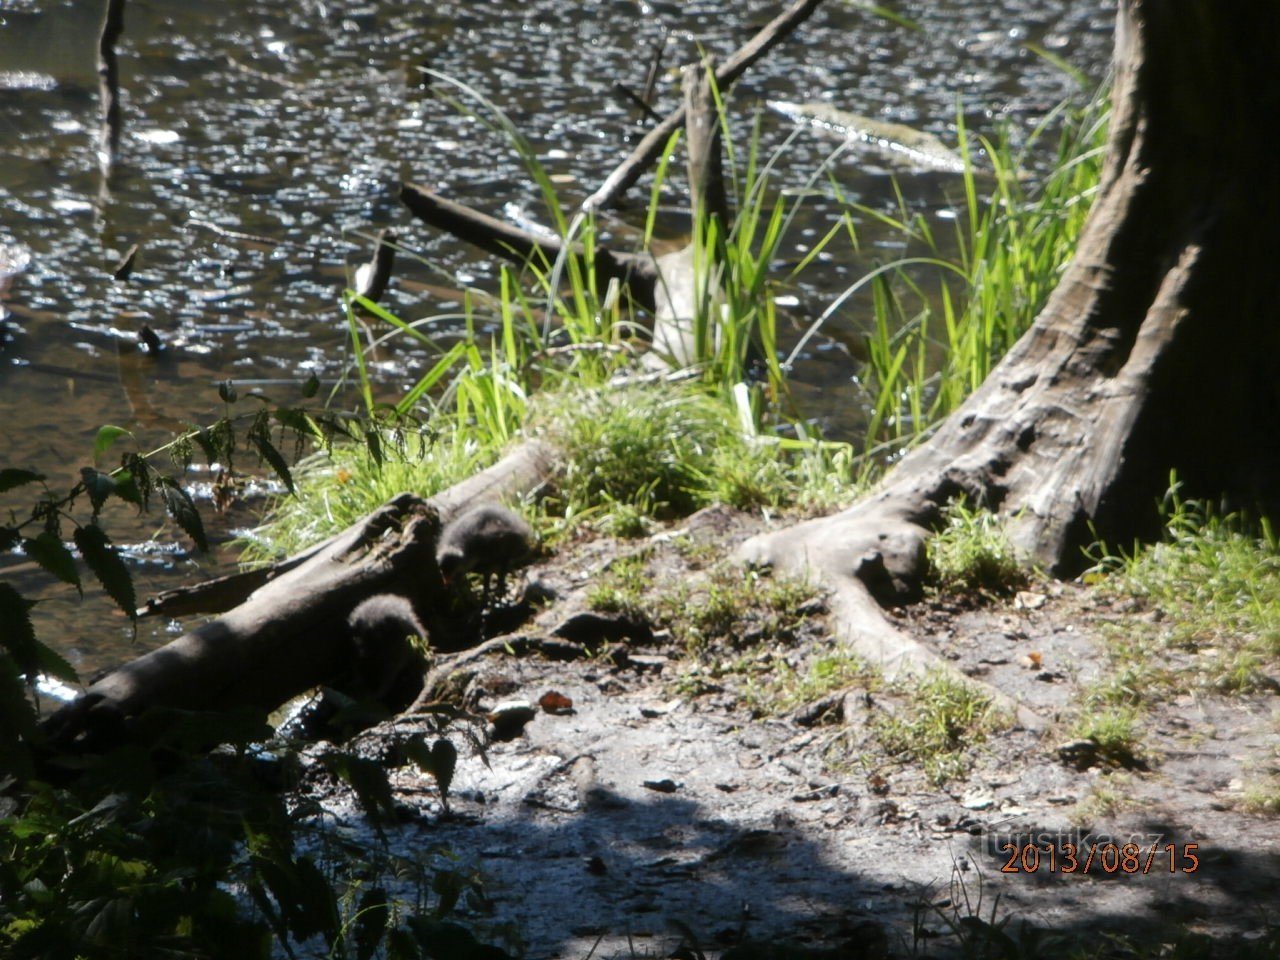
[{"x": 262, "y": 146}]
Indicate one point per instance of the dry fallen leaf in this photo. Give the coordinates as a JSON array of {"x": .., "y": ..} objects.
[{"x": 555, "y": 702}]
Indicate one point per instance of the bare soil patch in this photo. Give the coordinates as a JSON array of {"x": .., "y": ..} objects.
[{"x": 659, "y": 810}]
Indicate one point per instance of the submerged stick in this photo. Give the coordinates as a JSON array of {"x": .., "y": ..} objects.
[{"x": 501, "y": 239}]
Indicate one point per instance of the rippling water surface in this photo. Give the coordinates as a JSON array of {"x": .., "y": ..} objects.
[{"x": 262, "y": 145}]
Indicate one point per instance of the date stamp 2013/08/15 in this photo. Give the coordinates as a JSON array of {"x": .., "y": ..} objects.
[{"x": 1097, "y": 856}]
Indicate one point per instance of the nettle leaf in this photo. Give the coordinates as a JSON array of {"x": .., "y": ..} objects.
[
  {"x": 138, "y": 482},
  {"x": 184, "y": 513},
  {"x": 11, "y": 478},
  {"x": 107, "y": 566},
  {"x": 52, "y": 554},
  {"x": 444, "y": 760},
  {"x": 55, "y": 664},
  {"x": 371, "y": 920},
  {"x": 373, "y": 442},
  {"x": 16, "y": 633},
  {"x": 105, "y": 438},
  {"x": 267, "y": 451},
  {"x": 126, "y": 489},
  {"x": 98, "y": 485},
  {"x": 206, "y": 443}
]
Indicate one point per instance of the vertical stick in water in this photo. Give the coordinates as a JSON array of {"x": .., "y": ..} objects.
[{"x": 109, "y": 84}]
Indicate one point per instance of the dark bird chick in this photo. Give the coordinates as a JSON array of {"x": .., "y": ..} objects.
[
  {"x": 487, "y": 539},
  {"x": 388, "y": 666}
]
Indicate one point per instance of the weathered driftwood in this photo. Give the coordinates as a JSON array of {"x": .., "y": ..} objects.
[
  {"x": 501, "y": 239},
  {"x": 291, "y": 633}
]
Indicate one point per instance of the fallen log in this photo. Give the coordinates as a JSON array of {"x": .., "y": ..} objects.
[
  {"x": 638, "y": 270},
  {"x": 291, "y": 634}
]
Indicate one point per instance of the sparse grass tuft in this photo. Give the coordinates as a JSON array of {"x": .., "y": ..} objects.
[
  {"x": 623, "y": 587},
  {"x": 733, "y": 607},
  {"x": 945, "y": 717},
  {"x": 1263, "y": 796},
  {"x": 1213, "y": 589},
  {"x": 972, "y": 555},
  {"x": 1115, "y": 730},
  {"x": 782, "y": 688}
]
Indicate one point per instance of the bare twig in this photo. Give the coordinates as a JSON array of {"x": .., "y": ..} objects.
[{"x": 648, "y": 150}]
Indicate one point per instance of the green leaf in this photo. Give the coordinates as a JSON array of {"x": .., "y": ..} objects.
[
  {"x": 55, "y": 664},
  {"x": 368, "y": 780},
  {"x": 207, "y": 443},
  {"x": 299, "y": 421},
  {"x": 373, "y": 441},
  {"x": 11, "y": 477},
  {"x": 51, "y": 553},
  {"x": 16, "y": 633},
  {"x": 444, "y": 759},
  {"x": 107, "y": 566},
  {"x": 371, "y": 922},
  {"x": 127, "y": 489},
  {"x": 184, "y": 512},
  {"x": 98, "y": 485},
  {"x": 105, "y": 438},
  {"x": 267, "y": 451}
]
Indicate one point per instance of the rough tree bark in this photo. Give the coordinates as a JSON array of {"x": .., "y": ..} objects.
[{"x": 1159, "y": 349}]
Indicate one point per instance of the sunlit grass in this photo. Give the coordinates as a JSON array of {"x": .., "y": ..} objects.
[
  {"x": 931, "y": 343},
  {"x": 1213, "y": 585}
]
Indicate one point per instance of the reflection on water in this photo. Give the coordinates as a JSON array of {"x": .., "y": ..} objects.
[{"x": 262, "y": 142}]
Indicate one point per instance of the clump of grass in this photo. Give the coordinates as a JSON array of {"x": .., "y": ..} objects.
[
  {"x": 640, "y": 453},
  {"x": 1214, "y": 585},
  {"x": 929, "y": 347},
  {"x": 1263, "y": 797},
  {"x": 1115, "y": 730},
  {"x": 733, "y": 607},
  {"x": 643, "y": 449},
  {"x": 971, "y": 554},
  {"x": 944, "y": 718},
  {"x": 623, "y": 587},
  {"x": 335, "y": 488},
  {"x": 782, "y": 688}
]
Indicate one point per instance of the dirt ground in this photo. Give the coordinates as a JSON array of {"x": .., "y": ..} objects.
[{"x": 645, "y": 819}]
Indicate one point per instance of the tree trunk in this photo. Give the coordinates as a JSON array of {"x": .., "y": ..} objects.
[{"x": 1159, "y": 350}]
